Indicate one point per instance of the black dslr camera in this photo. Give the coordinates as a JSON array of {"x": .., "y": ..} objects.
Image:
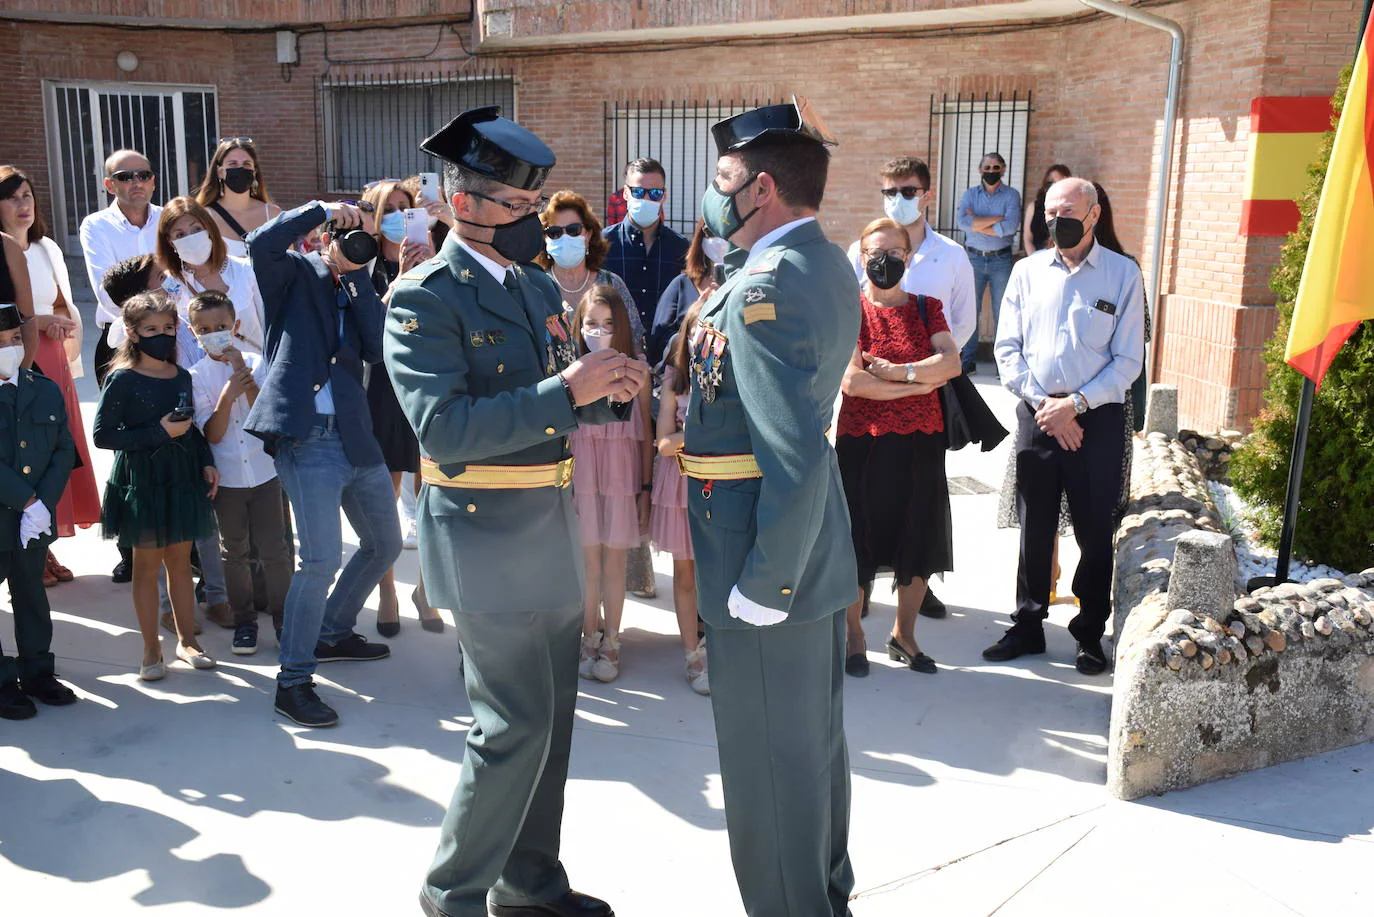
[{"x": 357, "y": 244}]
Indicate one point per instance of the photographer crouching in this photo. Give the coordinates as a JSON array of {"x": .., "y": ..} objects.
[{"x": 324, "y": 321}]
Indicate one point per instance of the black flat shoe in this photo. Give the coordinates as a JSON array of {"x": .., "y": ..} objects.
[
  {"x": 1016, "y": 642},
  {"x": 931, "y": 606},
  {"x": 569, "y": 904},
  {"x": 122, "y": 573},
  {"x": 1091, "y": 660},
  {"x": 856, "y": 665},
  {"x": 918, "y": 663}
]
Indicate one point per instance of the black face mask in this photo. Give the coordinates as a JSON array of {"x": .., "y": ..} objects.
[
  {"x": 521, "y": 240},
  {"x": 885, "y": 271},
  {"x": 1065, "y": 231},
  {"x": 162, "y": 347},
  {"x": 357, "y": 245},
  {"x": 991, "y": 178},
  {"x": 239, "y": 179}
]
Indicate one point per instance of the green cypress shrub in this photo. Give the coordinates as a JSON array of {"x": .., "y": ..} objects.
[{"x": 1335, "y": 523}]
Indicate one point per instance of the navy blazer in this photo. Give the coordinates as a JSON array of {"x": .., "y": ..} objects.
[{"x": 304, "y": 349}]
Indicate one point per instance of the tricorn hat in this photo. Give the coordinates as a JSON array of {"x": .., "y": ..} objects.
[
  {"x": 796, "y": 117},
  {"x": 483, "y": 142},
  {"x": 10, "y": 317}
]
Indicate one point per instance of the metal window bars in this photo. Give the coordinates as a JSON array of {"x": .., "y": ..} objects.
[{"x": 965, "y": 127}]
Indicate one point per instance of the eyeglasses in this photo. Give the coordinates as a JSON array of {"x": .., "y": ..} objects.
[
  {"x": 906, "y": 191},
  {"x": 653, "y": 194},
  {"x": 381, "y": 181},
  {"x": 899, "y": 253},
  {"x": 519, "y": 209},
  {"x": 556, "y": 232},
  {"x": 124, "y": 176}
]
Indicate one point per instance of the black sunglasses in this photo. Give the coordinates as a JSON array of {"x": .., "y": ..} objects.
[
  {"x": 906, "y": 191},
  {"x": 653, "y": 194},
  {"x": 556, "y": 232},
  {"x": 124, "y": 176}
]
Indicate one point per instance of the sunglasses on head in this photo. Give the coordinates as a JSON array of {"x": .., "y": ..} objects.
[
  {"x": 124, "y": 176},
  {"x": 381, "y": 181},
  {"x": 236, "y": 141},
  {"x": 556, "y": 232},
  {"x": 653, "y": 194},
  {"x": 907, "y": 191}
]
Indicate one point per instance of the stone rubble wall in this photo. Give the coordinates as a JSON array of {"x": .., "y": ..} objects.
[
  {"x": 1202, "y": 694},
  {"x": 1213, "y": 451}
]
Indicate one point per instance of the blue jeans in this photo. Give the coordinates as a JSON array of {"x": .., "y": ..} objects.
[
  {"x": 993, "y": 268},
  {"x": 319, "y": 480}
]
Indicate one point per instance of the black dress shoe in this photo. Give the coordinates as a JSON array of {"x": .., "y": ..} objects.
[
  {"x": 122, "y": 573},
  {"x": 931, "y": 606},
  {"x": 570, "y": 904},
  {"x": 300, "y": 704},
  {"x": 856, "y": 665},
  {"x": 1019, "y": 640},
  {"x": 14, "y": 705},
  {"x": 48, "y": 690},
  {"x": 1091, "y": 659},
  {"x": 918, "y": 663}
]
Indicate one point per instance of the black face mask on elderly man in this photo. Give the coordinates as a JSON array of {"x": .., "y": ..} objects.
[{"x": 1066, "y": 232}]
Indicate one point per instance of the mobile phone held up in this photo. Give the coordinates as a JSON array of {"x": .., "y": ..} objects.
[
  {"x": 429, "y": 187},
  {"x": 417, "y": 225},
  {"x": 182, "y": 411}
]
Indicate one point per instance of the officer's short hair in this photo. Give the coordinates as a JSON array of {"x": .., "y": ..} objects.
[
  {"x": 798, "y": 165},
  {"x": 645, "y": 166},
  {"x": 458, "y": 180},
  {"x": 903, "y": 166}
]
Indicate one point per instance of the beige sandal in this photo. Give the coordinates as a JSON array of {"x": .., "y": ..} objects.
[
  {"x": 591, "y": 645},
  {"x": 697, "y": 675},
  {"x": 607, "y": 665}
]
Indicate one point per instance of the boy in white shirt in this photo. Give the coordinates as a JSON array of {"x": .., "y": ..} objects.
[{"x": 249, "y": 502}]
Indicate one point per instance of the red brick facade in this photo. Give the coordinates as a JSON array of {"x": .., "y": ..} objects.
[{"x": 1098, "y": 88}]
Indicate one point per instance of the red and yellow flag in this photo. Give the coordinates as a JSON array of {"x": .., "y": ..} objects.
[
  {"x": 1285, "y": 136},
  {"x": 1337, "y": 288}
]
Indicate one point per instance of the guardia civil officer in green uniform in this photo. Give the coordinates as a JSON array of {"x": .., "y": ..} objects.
[
  {"x": 485, "y": 366},
  {"x": 770, "y": 527}
]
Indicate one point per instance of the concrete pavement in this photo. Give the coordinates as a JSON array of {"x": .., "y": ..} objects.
[{"x": 977, "y": 791}]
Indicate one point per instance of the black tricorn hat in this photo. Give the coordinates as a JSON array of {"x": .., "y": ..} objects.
[
  {"x": 482, "y": 141},
  {"x": 796, "y": 117},
  {"x": 10, "y": 317}
]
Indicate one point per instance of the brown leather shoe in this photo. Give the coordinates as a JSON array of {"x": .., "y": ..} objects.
[{"x": 220, "y": 614}]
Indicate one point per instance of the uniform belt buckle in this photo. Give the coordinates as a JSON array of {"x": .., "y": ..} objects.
[
  {"x": 681, "y": 464},
  {"x": 565, "y": 472}
]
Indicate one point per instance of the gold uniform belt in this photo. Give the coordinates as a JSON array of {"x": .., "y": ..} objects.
[
  {"x": 719, "y": 467},
  {"x": 500, "y": 477}
]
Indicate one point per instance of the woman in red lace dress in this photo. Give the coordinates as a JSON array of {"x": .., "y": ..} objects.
[{"x": 891, "y": 443}]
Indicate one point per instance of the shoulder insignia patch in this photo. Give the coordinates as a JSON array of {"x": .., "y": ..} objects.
[
  {"x": 410, "y": 324},
  {"x": 759, "y": 312},
  {"x": 754, "y": 294}
]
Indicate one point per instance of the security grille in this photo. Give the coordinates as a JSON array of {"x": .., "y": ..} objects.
[{"x": 964, "y": 128}]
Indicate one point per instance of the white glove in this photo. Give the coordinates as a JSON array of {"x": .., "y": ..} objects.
[
  {"x": 35, "y": 521},
  {"x": 751, "y": 612}
]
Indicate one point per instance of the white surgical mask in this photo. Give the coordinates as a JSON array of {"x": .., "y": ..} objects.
[
  {"x": 9, "y": 360},
  {"x": 643, "y": 211},
  {"x": 567, "y": 251},
  {"x": 216, "y": 342},
  {"x": 902, "y": 210},
  {"x": 194, "y": 249},
  {"x": 595, "y": 339},
  {"x": 714, "y": 247}
]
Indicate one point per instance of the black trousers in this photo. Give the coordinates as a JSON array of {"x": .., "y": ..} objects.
[
  {"x": 1091, "y": 479},
  {"x": 104, "y": 353},
  {"x": 23, "y": 568}
]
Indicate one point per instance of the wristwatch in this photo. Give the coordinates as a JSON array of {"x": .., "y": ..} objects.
[
  {"x": 910, "y": 373},
  {"x": 1080, "y": 404}
]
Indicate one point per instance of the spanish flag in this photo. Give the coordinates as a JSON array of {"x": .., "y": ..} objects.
[
  {"x": 1337, "y": 288},
  {"x": 1285, "y": 136}
]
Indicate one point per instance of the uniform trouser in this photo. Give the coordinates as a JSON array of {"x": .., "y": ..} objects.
[
  {"x": 104, "y": 353},
  {"x": 23, "y": 568},
  {"x": 1091, "y": 479},
  {"x": 778, "y": 696},
  {"x": 500, "y": 837}
]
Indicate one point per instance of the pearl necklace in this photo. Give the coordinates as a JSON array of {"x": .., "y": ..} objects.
[{"x": 586, "y": 280}]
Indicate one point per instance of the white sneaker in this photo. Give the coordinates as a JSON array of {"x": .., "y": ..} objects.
[
  {"x": 591, "y": 645},
  {"x": 408, "y": 542},
  {"x": 697, "y": 676}
]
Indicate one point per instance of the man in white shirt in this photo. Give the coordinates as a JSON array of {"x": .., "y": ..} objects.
[
  {"x": 126, "y": 228},
  {"x": 939, "y": 269}
]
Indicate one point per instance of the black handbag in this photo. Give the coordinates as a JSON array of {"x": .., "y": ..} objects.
[{"x": 968, "y": 419}]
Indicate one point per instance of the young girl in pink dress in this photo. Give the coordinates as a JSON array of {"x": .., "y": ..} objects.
[
  {"x": 668, "y": 528},
  {"x": 611, "y": 476}
]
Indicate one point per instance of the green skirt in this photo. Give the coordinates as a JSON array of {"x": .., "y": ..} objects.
[{"x": 157, "y": 497}]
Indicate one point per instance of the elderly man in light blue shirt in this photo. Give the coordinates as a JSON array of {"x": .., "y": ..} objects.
[
  {"x": 990, "y": 215},
  {"x": 1070, "y": 340}
]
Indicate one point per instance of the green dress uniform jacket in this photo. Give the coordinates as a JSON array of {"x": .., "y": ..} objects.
[
  {"x": 789, "y": 322},
  {"x": 474, "y": 371},
  {"x": 36, "y": 452}
]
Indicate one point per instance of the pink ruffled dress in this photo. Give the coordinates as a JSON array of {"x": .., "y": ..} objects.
[
  {"x": 668, "y": 528},
  {"x": 607, "y": 479}
]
